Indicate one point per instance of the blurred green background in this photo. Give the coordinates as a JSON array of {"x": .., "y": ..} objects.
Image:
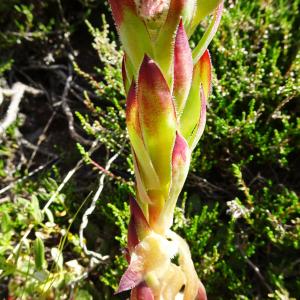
[{"x": 239, "y": 210}]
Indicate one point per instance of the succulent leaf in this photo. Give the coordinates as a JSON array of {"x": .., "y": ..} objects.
[
  {"x": 132, "y": 238},
  {"x": 205, "y": 8},
  {"x": 132, "y": 277},
  {"x": 147, "y": 171},
  {"x": 139, "y": 220},
  {"x": 192, "y": 121},
  {"x": 192, "y": 110},
  {"x": 131, "y": 28},
  {"x": 180, "y": 167},
  {"x": 206, "y": 73},
  {"x": 209, "y": 34},
  {"x": 157, "y": 119},
  {"x": 125, "y": 76},
  {"x": 197, "y": 133},
  {"x": 183, "y": 68},
  {"x": 188, "y": 13},
  {"x": 164, "y": 44},
  {"x": 140, "y": 185}
]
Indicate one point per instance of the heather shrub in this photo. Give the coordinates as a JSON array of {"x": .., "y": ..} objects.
[{"x": 239, "y": 210}]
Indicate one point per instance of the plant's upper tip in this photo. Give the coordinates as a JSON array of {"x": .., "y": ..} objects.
[{"x": 150, "y": 9}]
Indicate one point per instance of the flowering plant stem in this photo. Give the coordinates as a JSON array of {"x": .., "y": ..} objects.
[{"x": 167, "y": 85}]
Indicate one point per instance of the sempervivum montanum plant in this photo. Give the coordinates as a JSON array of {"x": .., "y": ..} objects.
[{"x": 167, "y": 86}]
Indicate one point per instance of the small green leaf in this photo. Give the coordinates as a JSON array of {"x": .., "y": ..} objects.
[
  {"x": 36, "y": 212},
  {"x": 49, "y": 215},
  {"x": 5, "y": 223},
  {"x": 39, "y": 254}
]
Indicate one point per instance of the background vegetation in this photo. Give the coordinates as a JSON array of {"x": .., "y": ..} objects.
[{"x": 239, "y": 211}]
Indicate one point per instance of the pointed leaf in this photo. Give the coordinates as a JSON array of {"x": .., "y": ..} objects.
[
  {"x": 209, "y": 34},
  {"x": 203, "y": 9},
  {"x": 193, "y": 141},
  {"x": 119, "y": 8},
  {"x": 142, "y": 194},
  {"x": 192, "y": 110},
  {"x": 180, "y": 155},
  {"x": 183, "y": 68},
  {"x": 192, "y": 121},
  {"x": 147, "y": 172},
  {"x": 165, "y": 41},
  {"x": 132, "y": 277},
  {"x": 132, "y": 237},
  {"x": 206, "y": 73},
  {"x": 157, "y": 119},
  {"x": 188, "y": 13},
  {"x": 126, "y": 82},
  {"x": 131, "y": 29},
  {"x": 139, "y": 220},
  {"x": 180, "y": 167}
]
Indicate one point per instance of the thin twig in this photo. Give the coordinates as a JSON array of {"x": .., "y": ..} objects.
[
  {"x": 33, "y": 147},
  {"x": 206, "y": 186},
  {"x": 68, "y": 177},
  {"x": 68, "y": 112},
  {"x": 255, "y": 269},
  {"x": 57, "y": 70},
  {"x": 16, "y": 93},
  {"x": 285, "y": 101},
  {"x": 92, "y": 207},
  {"x": 109, "y": 173}
]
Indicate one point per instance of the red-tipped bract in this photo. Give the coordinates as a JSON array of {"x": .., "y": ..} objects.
[{"x": 183, "y": 68}]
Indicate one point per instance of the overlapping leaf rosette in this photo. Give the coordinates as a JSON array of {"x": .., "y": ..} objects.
[{"x": 167, "y": 85}]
